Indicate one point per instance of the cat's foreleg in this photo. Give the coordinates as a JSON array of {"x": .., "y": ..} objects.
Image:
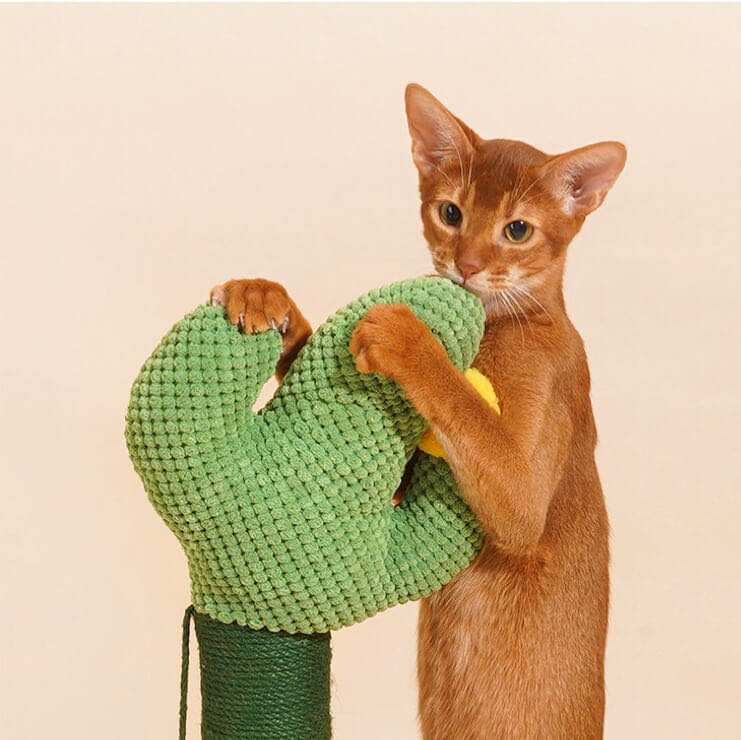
[{"x": 507, "y": 466}]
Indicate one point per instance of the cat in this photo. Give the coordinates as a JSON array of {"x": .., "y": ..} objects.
[{"x": 512, "y": 647}]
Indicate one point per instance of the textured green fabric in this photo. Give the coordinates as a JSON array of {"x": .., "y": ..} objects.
[
  {"x": 262, "y": 685},
  {"x": 285, "y": 515}
]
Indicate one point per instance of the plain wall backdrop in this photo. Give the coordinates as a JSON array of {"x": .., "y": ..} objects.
[{"x": 148, "y": 153}]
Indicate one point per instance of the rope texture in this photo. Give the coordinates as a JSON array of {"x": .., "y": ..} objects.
[
  {"x": 285, "y": 515},
  {"x": 184, "y": 664},
  {"x": 262, "y": 685}
]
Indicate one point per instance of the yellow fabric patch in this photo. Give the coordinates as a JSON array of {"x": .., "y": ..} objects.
[{"x": 482, "y": 384}]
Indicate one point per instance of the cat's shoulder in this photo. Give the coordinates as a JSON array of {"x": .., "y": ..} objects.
[{"x": 547, "y": 350}]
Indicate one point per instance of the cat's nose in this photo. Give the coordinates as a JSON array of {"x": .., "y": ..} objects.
[{"x": 469, "y": 267}]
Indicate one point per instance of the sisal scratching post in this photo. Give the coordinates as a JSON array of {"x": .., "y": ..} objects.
[
  {"x": 285, "y": 516},
  {"x": 259, "y": 684}
]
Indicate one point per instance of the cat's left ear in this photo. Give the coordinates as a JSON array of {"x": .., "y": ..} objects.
[{"x": 582, "y": 178}]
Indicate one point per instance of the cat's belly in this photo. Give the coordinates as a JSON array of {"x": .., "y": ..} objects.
[{"x": 510, "y": 648}]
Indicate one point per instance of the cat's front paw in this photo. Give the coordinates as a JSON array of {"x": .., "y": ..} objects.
[
  {"x": 392, "y": 341},
  {"x": 256, "y": 305}
]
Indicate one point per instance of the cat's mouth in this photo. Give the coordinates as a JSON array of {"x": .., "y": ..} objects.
[
  {"x": 484, "y": 287},
  {"x": 481, "y": 289},
  {"x": 500, "y": 296},
  {"x": 491, "y": 290}
]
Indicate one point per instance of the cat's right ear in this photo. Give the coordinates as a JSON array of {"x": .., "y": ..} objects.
[
  {"x": 437, "y": 135},
  {"x": 582, "y": 178}
]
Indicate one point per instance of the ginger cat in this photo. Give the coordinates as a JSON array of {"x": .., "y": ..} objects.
[{"x": 513, "y": 647}]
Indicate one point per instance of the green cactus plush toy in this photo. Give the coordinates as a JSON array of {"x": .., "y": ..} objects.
[{"x": 285, "y": 515}]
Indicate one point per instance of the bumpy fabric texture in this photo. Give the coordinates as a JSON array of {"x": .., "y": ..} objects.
[{"x": 285, "y": 515}]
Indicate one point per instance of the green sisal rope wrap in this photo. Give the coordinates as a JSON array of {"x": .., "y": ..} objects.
[
  {"x": 258, "y": 684},
  {"x": 285, "y": 516}
]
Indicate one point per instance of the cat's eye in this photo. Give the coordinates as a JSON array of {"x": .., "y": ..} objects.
[
  {"x": 518, "y": 231},
  {"x": 451, "y": 214}
]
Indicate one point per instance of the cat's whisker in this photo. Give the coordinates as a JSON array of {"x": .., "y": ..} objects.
[
  {"x": 522, "y": 203},
  {"x": 506, "y": 305},
  {"x": 498, "y": 308},
  {"x": 501, "y": 308},
  {"x": 519, "y": 181},
  {"x": 532, "y": 184},
  {"x": 452, "y": 184},
  {"x": 513, "y": 312},
  {"x": 523, "y": 312},
  {"x": 494, "y": 304},
  {"x": 525, "y": 292}
]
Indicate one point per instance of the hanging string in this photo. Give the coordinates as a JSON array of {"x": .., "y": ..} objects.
[{"x": 185, "y": 656}]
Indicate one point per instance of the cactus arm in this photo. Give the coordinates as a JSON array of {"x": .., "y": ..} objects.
[
  {"x": 191, "y": 401},
  {"x": 433, "y": 533}
]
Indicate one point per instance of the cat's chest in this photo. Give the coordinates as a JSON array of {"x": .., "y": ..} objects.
[{"x": 498, "y": 354}]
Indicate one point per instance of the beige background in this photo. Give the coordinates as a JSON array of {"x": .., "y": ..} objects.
[{"x": 147, "y": 153}]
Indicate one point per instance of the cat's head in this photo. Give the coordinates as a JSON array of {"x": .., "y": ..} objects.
[{"x": 499, "y": 214}]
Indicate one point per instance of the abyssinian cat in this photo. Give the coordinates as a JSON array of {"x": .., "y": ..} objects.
[{"x": 513, "y": 647}]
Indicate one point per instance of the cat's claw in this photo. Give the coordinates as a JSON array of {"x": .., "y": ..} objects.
[
  {"x": 282, "y": 327},
  {"x": 259, "y": 305}
]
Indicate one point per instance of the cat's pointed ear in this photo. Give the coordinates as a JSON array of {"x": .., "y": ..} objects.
[
  {"x": 582, "y": 178},
  {"x": 437, "y": 135}
]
